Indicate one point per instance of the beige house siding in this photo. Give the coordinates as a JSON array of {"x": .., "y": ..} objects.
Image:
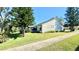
[
  {"x": 48, "y": 26},
  {"x": 53, "y": 24},
  {"x": 76, "y": 27},
  {"x": 67, "y": 28}
]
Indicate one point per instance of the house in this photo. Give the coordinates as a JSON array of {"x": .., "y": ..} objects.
[
  {"x": 53, "y": 24},
  {"x": 66, "y": 28}
]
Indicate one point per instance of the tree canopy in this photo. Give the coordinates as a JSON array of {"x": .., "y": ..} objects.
[
  {"x": 72, "y": 17},
  {"x": 23, "y": 17}
]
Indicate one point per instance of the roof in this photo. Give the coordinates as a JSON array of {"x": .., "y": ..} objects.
[
  {"x": 45, "y": 21},
  {"x": 56, "y": 18}
]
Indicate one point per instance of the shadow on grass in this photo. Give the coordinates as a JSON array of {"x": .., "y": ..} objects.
[
  {"x": 77, "y": 48},
  {"x": 14, "y": 35}
]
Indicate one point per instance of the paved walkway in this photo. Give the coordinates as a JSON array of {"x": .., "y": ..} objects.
[{"x": 40, "y": 44}]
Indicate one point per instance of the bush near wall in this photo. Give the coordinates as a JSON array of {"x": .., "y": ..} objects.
[
  {"x": 3, "y": 38},
  {"x": 54, "y": 31},
  {"x": 50, "y": 31}
]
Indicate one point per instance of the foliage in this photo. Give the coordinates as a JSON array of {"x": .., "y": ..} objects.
[
  {"x": 23, "y": 17},
  {"x": 72, "y": 17},
  {"x": 5, "y": 19},
  {"x": 50, "y": 31},
  {"x": 5, "y": 23}
]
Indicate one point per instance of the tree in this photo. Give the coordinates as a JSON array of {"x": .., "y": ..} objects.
[
  {"x": 5, "y": 18},
  {"x": 72, "y": 16},
  {"x": 1, "y": 18},
  {"x": 5, "y": 15},
  {"x": 24, "y": 17}
]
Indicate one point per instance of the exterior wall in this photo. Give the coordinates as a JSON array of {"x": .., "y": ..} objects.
[
  {"x": 39, "y": 28},
  {"x": 49, "y": 26},
  {"x": 76, "y": 28},
  {"x": 59, "y": 26}
]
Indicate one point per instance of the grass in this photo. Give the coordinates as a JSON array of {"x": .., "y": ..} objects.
[
  {"x": 69, "y": 44},
  {"x": 29, "y": 38}
]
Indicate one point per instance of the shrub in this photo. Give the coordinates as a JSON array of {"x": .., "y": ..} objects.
[
  {"x": 56, "y": 31},
  {"x": 50, "y": 31},
  {"x": 62, "y": 31},
  {"x": 3, "y": 38},
  {"x": 78, "y": 28}
]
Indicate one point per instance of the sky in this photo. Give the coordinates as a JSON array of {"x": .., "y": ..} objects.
[{"x": 42, "y": 14}]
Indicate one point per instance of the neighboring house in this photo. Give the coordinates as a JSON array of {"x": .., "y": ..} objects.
[
  {"x": 53, "y": 24},
  {"x": 66, "y": 28}
]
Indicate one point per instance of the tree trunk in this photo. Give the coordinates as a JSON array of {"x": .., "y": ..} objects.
[
  {"x": 72, "y": 28},
  {"x": 22, "y": 31}
]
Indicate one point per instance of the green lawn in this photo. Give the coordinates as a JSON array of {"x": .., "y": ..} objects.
[
  {"x": 29, "y": 38},
  {"x": 70, "y": 44}
]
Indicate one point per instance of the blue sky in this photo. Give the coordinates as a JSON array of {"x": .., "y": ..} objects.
[{"x": 45, "y": 13}]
